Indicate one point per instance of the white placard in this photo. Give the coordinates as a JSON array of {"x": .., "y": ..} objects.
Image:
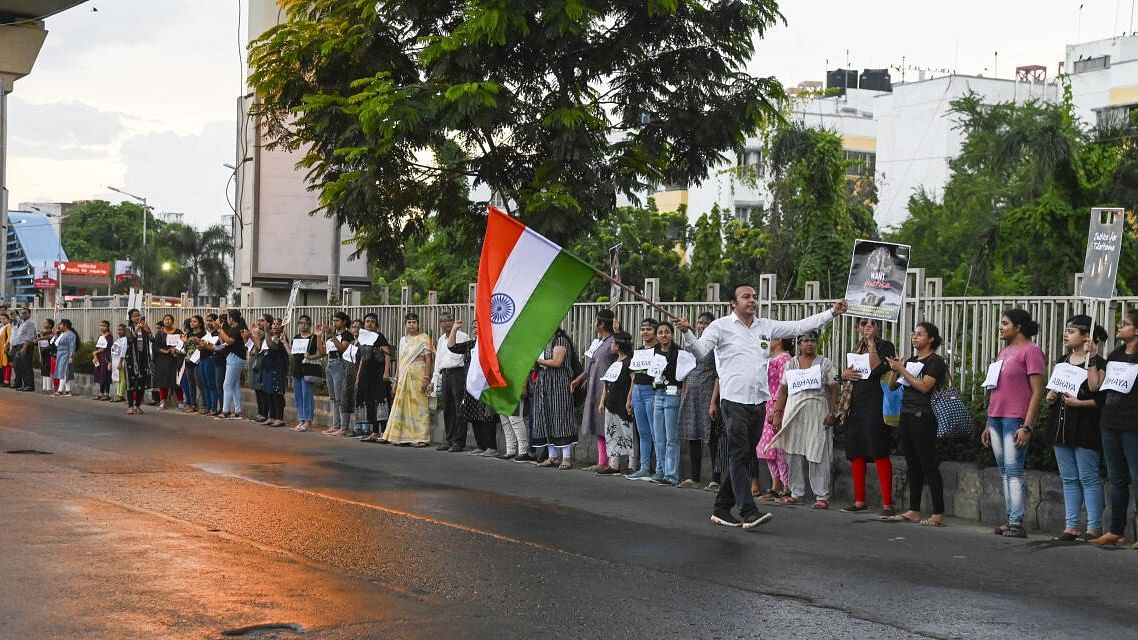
[
  {"x": 613, "y": 372},
  {"x": 330, "y": 346},
  {"x": 656, "y": 366},
  {"x": 350, "y": 354},
  {"x": 172, "y": 339},
  {"x": 45, "y": 344},
  {"x": 641, "y": 359},
  {"x": 249, "y": 344},
  {"x": 593, "y": 348},
  {"x": 1067, "y": 378},
  {"x": 685, "y": 364},
  {"x": 799, "y": 380},
  {"x": 914, "y": 368},
  {"x": 1120, "y": 377},
  {"x": 209, "y": 339},
  {"x": 299, "y": 346},
  {"x": 101, "y": 343},
  {"x": 860, "y": 363},
  {"x": 993, "y": 378},
  {"x": 195, "y": 357},
  {"x": 368, "y": 338}
]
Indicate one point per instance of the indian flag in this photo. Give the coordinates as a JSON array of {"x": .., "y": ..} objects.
[{"x": 526, "y": 285}]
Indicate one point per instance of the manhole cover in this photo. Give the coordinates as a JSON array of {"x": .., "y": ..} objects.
[
  {"x": 31, "y": 452},
  {"x": 266, "y": 631}
]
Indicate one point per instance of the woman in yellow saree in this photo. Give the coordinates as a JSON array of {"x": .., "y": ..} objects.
[{"x": 410, "y": 421}]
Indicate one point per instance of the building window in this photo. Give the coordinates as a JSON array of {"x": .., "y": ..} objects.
[
  {"x": 747, "y": 212},
  {"x": 750, "y": 158},
  {"x": 1091, "y": 64},
  {"x": 863, "y": 163}
]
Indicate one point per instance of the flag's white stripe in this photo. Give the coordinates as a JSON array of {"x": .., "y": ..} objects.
[
  {"x": 475, "y": 376},
  {"x": 524, "y": 269}
]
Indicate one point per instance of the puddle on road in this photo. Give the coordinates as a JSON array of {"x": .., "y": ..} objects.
[
  {"x": 264, "y": 631},
  {"x": 31, "y": 452}
]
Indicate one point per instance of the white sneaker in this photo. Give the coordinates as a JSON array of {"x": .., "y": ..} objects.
[
  {"x": 476, "y": 452},
  {"x": 489, "y": 453}
]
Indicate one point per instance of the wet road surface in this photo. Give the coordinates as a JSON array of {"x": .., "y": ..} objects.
[{"x": 174, "y": 526}]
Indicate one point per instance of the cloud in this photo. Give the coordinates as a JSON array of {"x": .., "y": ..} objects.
[{"x": 61, "y": 130}]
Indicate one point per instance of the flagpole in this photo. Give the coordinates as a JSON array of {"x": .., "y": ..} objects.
[{"x": 634, "y": 293}]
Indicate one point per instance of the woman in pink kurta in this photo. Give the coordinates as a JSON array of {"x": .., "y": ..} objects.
[{"x": 776, "y": 458}]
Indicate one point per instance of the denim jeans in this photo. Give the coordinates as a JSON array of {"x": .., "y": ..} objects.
[
  {"x": 1009, "y": 459},
  {"x": 666, "y": 435},
  {"x": 1078, "y": 467},
  {"x": 335, "y": 376},
  {"x": 208, "y": 383},
  {"x": 643, "y": 407},
  {"x": 305, "y": 398},
  {"x": 219, "y": 369},
  {"x": 231, "y": 388},
  {"x": 1120, "y": 451}
]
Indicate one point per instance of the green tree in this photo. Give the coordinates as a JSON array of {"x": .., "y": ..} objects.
[
  {"x": 201, "y": 258},
  {"x": 99, "y": 231},
  {"x": 557, "y": 106}
]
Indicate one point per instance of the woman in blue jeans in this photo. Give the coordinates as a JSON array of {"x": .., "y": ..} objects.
[
  {"x": 1073, "y": 425},
  {"x": 1118, "y": 422},
  {"x": 642, "y": 405},
  {"x": 304, "y": 394},
  {"x": 1016, "y": 382},
  {"x": 666, "y": 410},
  {"x": 233, "y": 333}
]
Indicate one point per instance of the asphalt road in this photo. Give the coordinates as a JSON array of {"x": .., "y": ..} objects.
[{"x": 173, "y": 526}]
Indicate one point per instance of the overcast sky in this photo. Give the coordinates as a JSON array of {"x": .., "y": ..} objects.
[{"x": 142, "y": 94}]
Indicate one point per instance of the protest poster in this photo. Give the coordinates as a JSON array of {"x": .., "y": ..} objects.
[
  {"x": 1104, "y": 247},
  {"x": 876, "y": 287}
]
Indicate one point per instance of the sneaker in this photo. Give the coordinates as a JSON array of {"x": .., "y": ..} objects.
[
  {"x": 888, "y": 512},
  {"x": 854, "y": 508},
  {"x": 490, "y": 453},
  {"x": 664, "y": 481},
  {"x": 642, "y": 474},
  {"x": 725, "y": 519},
  {"x": 475, "y": 452},
  {"x": 608, "y": 471},
  {"x": 752, "y": 520}
]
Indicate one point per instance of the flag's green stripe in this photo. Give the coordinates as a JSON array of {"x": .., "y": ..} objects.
[{"x": 539, "y": 318}]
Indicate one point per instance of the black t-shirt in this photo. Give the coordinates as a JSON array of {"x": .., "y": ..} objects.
[
  {"x": 220, "y": 349},
  {"x": 642, "y": 377},
  {"x": 298, "y": 358},
  {"x": 616, "y": 393},
  {"x": 345, "y": 336},
  {"x": 669, "y": 374},
  {"x": 1076, "y": 426},
  {"x": 238, "y": 347},
  {"x": 869, "y": 390},
  {"x": 1119, "y": 411},
  {"x": 914, "y": 402}
]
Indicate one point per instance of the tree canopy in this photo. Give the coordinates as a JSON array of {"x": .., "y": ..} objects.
[{"x": 555, "y": 108}]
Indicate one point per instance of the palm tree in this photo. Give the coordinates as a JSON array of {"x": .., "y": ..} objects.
[{"x": 203, "y": 258}]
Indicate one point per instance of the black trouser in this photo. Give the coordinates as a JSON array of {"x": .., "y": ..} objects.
[
  {"x": 454, "y": 388},
  {"x": 743, "y": 424},
  {"x": 917, "y": 434},
  {"x": 22, "y": 369},
  {"x": 105, "y": 383},
  {"x": 695, "y": 457},
  {"x": 276, "y": 405},
  {"x": 262, "y": 402},
  {"x": 485, "y": 434}
]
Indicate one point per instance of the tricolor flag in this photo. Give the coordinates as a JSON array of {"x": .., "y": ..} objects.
[{"x": 526, "y": 285}]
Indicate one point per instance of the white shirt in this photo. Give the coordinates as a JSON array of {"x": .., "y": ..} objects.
[
  {"x": 742, "y": 353},
  {"x": 444, "y": 359}
]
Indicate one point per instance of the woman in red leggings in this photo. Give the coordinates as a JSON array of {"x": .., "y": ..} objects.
[{"x": 867, "y": 435}]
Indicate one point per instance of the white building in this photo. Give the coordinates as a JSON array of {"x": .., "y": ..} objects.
[
  {"x": 1104, "y": 79},
  {"x": 171, "y": 217}
]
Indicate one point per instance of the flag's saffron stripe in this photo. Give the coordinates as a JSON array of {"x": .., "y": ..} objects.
[{"x": 502, "y": 233}]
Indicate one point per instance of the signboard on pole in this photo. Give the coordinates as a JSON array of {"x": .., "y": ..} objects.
[
  {"x": 614, "y": 271},
  {"x": 291, "y": 303},
  {"x": 876, "y": 287},
  {"x": 1104, "y": 247}
]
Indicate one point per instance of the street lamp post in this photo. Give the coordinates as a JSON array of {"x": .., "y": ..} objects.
[{"x": 145, "y": 210}]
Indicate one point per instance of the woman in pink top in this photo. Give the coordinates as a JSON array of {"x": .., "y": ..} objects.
[
  {"x": 1012, "y": 409},
  {"x": 781, "y": 350}
]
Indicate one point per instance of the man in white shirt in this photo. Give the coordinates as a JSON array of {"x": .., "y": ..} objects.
[
  {"x": 742, "y": 349},
  {"x": 21, "y": 345},
  {"x": 450, "y": 380}
]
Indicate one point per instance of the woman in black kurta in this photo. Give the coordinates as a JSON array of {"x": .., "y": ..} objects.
[
  {"x": 166, "y": 362},
  {"x": 867, "y": 435},
  {"x": 138, "y": 368}
]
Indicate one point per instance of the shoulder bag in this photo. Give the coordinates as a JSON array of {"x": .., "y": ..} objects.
[{"x": 953, "y": 420}]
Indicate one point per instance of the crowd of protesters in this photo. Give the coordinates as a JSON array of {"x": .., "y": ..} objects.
[{"x": 749, "y": 389}]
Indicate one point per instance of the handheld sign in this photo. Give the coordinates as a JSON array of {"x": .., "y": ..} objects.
[
  {"x": 656, "y": 367},
  {"x": 102, "y": 343},
  {"x": 1104, "y": 247},
  {"x": 641, "y": 359},
  {"x": 350, "y": 354},
  {"x": 916, "y": 369},
  {"x": 330, "y": 346},
  {"x": 195, "y": 357},
  {"x": 860, "y": 363},
  {"x": 993, "y": 378},
  {"x": 799, "y": 380},
  {"x": 172, "y": 339},
  {"x": 593, "y": 348},
  {"x": 300, "y": 345},
  {"x": 368, "y": 338},
  {"x": 613, "y": 372},
  {"x": 1119, "y": 377},
  {"x": 685, "y": 364},
  {"x": 1067, "y": 378},
  {"x": 876, "y": 287}
]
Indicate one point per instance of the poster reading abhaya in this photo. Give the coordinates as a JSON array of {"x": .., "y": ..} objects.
[{"x": 876, "y": 287}]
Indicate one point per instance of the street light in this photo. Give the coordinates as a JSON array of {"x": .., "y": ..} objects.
[{"x": 145, "y": 209}]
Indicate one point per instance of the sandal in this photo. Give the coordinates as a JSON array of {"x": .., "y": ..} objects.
[
  {"x": 565, "y": 466},
  {"x": 1001, "y": 530},
  {"x": 900, "y": 517},
  {"x": 130, "y": 411},
  {"x": 821, "y": 504},
  {"x": 769, "y": 496},
  {"x": 929, "y": 522},
  {"x": 1015, "y": 531},
  {"x": 787, "y": 501},
  {"x": 420, "y": 445},
  {"x": 300, "y": 428},
  {"x": 549, "y": 462},
  {"x": 1066, "y": 537}
]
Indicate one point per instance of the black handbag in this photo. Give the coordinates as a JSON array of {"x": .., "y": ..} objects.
[{"x": 312, "y": 372}]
